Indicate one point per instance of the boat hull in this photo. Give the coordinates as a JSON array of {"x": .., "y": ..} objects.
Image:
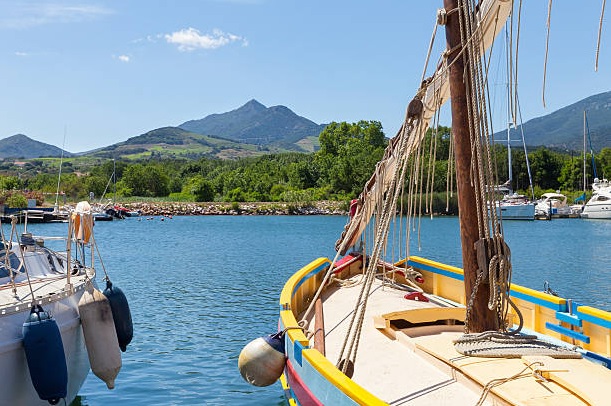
[
  {"x": 516, "y": 211},
  {"x": 599, "y": 205},
  {"x": 312, "y": 379},
  {"x": 553, "y": 205},
  {"x": 17, "y": 385},
  {"x": 597, "y": 211}
]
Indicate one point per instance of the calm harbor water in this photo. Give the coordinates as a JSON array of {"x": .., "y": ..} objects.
[{"x": 200, "y": 288}]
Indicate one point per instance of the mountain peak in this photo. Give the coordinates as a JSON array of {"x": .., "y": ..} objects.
[
  {"x": 254, "y": 104},
  {"x": 18, "y": 137},
  {"x": 253, "y": 123},
  {"x": 22, "y": 146},
  {"x": 250, "y": 109}
]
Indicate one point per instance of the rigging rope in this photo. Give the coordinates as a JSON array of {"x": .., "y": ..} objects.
[
  {"x": 8, "y": 247},
  {"x": 497, "y": 382},
  {"x": 409, "y": 140},
  {"x": 408, "y": 157},
  {"x": 428, "y": 53},
  {"x": 600, "y": 28},
  {"x": 351, "y": 342},
  {"x": 549, "y": 19},
  {"x": 20, "y": 249}
]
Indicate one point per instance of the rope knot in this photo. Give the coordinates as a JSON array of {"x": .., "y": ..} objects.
[{"x": 442, "y": 16}]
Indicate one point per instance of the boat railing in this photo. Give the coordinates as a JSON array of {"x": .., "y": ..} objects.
[{"x": 583, "y": 326}]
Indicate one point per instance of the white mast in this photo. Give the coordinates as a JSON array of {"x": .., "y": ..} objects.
[
  {"x": 59, "y": 177},
  {"x": 585, "y": 176}
]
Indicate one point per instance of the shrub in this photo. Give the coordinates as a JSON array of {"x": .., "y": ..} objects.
[
  {"x": 17, "y": 200},
  {"x": 181, "y": 197}
]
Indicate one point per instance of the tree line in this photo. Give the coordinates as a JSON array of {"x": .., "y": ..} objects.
[{"x": 337, "y": 171}]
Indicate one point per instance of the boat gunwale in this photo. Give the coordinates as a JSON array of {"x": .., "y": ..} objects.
[
  {"x": 531, "y": 295},
  {"x": 13, "y": 308}
]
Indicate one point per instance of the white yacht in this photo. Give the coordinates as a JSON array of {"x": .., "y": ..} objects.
[
  {"x": 599, "y": 205},
  {"x": 553, "y": 205}
]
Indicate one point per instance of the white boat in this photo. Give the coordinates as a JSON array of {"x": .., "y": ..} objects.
[
  {"x": 512, "y": 206},
  {"x": 599, "y": 205},
  {"x": 553, "y": 205},
  {"x": 378, "y": 326},
  {"x": 40, "y": 277}
]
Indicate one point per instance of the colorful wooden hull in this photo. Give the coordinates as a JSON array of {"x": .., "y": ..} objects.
[{"x": 311, "y": 379}]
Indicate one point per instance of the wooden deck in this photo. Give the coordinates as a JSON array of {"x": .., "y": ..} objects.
[
  {"x": 386, "y": 366},
  {"x": 406, "y": 357}
]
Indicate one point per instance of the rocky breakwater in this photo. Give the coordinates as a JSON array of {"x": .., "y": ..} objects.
[{"x": 202, "y": 209}]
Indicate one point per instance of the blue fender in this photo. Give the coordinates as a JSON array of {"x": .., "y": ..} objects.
[
  {"x": 44, "y": 352},
  {"x": 121, "y": 314}
]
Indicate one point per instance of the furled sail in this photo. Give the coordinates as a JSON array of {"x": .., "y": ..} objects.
[{"x": 432, "y": 94}]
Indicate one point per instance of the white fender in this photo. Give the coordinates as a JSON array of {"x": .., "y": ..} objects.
[
  {"x": 100, "y": 335},
  {"x": 262, "y": 360}
]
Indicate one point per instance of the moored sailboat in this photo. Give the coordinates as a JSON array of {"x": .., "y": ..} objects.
[
  {"x": 360, "y": 329},
  {"x": 514, "y": 206},
  {"x": 43, "y": 353}
]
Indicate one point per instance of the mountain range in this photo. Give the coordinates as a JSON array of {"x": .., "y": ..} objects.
[
  {"x": 563, "y": 129},
  {"x": 254, "y": 129}
]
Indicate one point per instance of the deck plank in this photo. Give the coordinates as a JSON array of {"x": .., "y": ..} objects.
[{"x": 526, "y": 390}]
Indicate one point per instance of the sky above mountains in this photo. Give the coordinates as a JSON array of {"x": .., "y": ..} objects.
[{"x": 87, "y": 74}]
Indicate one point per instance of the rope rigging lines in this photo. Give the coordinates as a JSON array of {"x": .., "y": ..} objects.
[{"x": 406, "y": 174}]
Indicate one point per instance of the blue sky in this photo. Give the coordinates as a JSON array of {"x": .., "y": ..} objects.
[{"x": 103, "y": 71}]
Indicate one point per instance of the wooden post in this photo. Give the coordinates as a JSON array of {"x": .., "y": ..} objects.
[
  {"x": 481, "y": 318},
  {"x": 319, "y": 327}
]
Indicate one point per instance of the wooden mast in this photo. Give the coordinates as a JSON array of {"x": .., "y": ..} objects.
[{"x": 481, "y": 318}]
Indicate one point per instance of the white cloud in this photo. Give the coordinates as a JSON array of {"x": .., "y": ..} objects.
[
  {"x": 122, "y": 58},
  {"x": 190, "y": 39},
  {"x": 20, "y": 53},
  {"x": 41, "y": 12}
]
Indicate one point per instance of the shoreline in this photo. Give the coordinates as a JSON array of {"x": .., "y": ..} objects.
[{"x": 237, "y": 209}]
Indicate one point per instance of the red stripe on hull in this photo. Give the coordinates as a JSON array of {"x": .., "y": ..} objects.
[{"x": 302, "y": 393}]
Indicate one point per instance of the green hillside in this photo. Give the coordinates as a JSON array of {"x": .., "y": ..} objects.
[{"x": 176, "y": 143}]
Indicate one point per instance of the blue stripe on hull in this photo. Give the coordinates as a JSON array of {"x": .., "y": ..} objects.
[
  {"x": 320, "y": 387},
  {"x": 311, "y": 274},
  {"x": 437, "y": 270},
  {"x": 316, "y": 383},
  {"x": 560, "y": 307}
]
